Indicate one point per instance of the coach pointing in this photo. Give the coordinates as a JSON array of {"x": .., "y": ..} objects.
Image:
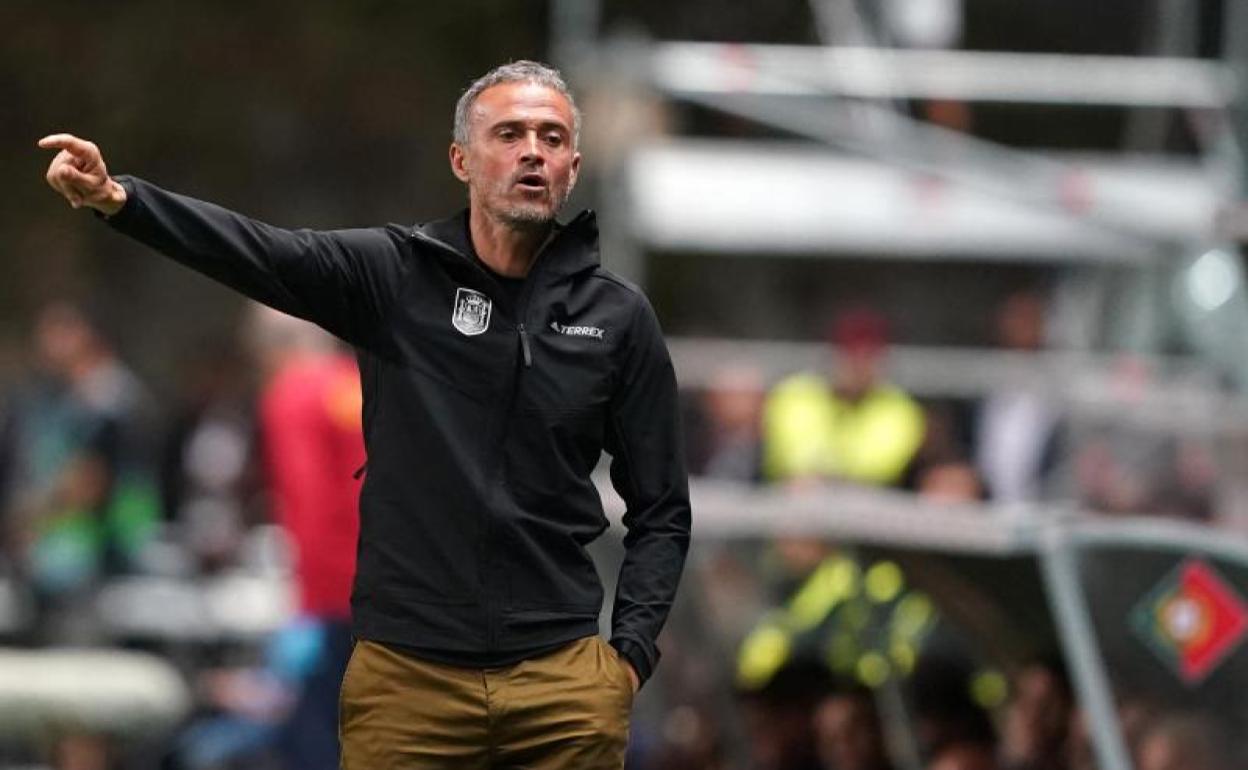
[{"x": 498, "y": 360}]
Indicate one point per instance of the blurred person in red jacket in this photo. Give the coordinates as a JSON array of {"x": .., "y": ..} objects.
[
  {"x": 311, "y": 440},
  {"x": 309, "y": 418}
]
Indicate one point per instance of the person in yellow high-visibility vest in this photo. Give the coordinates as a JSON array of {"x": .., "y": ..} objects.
[{"x": 853, "y": 426}]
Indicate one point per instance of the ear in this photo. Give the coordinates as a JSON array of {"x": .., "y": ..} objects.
[
  {"x": 575, "y": 169},
  {"x": 459, "y": 162}
]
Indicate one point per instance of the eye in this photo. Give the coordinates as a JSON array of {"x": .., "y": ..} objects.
[
  {"x": 554, "y": 139},
  {"x": 507, "y": 134}
]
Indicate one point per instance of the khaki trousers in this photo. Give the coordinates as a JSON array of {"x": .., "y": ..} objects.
[{"x": 567, "y": 710}]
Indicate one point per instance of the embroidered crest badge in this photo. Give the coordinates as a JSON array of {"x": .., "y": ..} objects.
[{"x": 472, "y": 312}]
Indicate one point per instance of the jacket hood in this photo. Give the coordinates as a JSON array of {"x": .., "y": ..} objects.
[{"x": 573, "y": 247}]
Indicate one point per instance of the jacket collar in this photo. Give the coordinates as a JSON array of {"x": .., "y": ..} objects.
[{"x": 572, "y": 248}]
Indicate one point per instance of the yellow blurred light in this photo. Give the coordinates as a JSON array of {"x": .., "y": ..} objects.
[
  {"x": 989, "y": 688},
  {"x": 884, "y": 581},
  {"x": 904, "y": 656},
  {"x": 832, "y": 582},
  {"x": 912, "y": 616},
  {"x": 873, "y": 669},
  {"x": 763, "y": 652}
]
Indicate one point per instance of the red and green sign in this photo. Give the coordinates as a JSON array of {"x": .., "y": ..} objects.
[{"x": 1194, "y": 619}]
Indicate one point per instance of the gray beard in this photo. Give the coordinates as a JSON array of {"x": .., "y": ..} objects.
[
  {"x": 529, "y": 218},
  {"x": 526, "y": 219}
]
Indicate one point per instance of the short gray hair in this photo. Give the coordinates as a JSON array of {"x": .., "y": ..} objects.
[{"x": 523, "y": 71}]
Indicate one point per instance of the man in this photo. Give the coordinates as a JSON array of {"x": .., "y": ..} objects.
[
  {"x": 1017, "y": 425},
  {"x": 498, "y": 359},
  {"x": 853, "y": 426},
  {"x": 849, "y": 425},
  {"x": 82, "y": 499},
  {"x": 1036, "y": 728},
  {"x": 848, "y": 732}
]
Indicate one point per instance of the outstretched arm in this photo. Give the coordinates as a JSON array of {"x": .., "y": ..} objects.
[{"x": 343, "y": 280}]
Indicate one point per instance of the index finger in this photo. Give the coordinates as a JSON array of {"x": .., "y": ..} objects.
[{"x": 67, "y": 142}]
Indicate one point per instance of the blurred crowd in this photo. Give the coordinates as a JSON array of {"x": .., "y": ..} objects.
[
  {"x": 253, "y": 468},
  {"x": 806, "y": 719},
  {"x": 1014, "y": 444},
  {"x": 814, "y": 693},
  {"x": 121, "y": 514}
]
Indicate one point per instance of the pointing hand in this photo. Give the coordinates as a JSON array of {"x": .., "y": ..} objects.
[{"x": 78, "y": 173}]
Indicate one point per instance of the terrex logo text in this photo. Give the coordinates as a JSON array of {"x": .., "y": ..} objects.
[{"x": 577, "y": 331}]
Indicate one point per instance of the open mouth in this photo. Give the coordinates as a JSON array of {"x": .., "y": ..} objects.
[{"x": 532, "y": 182}]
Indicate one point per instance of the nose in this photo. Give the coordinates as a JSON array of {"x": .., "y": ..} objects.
[{"x": 532, "y": 149}]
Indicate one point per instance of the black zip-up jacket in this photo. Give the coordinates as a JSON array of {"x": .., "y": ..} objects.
[{"x": 482, "y": 421}]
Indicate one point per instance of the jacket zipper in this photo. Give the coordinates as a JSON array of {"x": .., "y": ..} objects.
[
  {"x": 524, "y": 346},
  {"x": 526, "y": 295},
  {"x": 525, "y": 354}
]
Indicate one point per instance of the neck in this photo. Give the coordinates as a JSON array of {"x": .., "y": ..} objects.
[{"x": 506, "y": 249}]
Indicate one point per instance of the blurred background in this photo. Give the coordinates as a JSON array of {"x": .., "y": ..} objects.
[{"x": 955, "y": 291}]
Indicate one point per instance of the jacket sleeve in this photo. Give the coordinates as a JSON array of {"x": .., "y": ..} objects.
[
  {"x": 648, "y": 471},
  {"x": 342, "y": 280}
]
